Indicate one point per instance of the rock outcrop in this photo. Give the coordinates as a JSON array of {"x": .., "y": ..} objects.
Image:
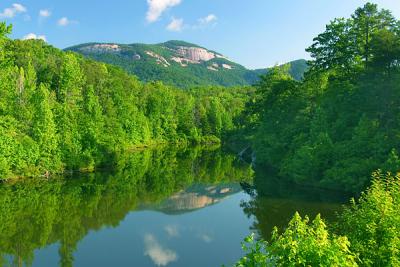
[
  {"x": 101, "y": 48},
  {"x": 195, "y": 53},
  {"x": 159, "y": 59}
]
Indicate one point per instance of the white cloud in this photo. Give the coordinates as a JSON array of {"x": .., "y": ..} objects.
[
  {"x": 30, "y": 36},
  {"x": 157, "y": 7},
  {"x": 44, "y": 13},
  {"x": 176, "y": 25},
  {"x": 19, "y": 8},
  {"x": 12, "y": 11},
  {"x": 159, "y": 255},
  {"x": 208, "y": 19},
  {"x": 64, "y": 21}
]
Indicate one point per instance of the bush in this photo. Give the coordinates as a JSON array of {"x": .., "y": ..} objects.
[
  {"x": 303, "y": 243},
  {"x": 373, "y": 223}
]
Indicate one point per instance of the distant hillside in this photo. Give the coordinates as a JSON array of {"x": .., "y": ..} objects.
[
  {"x": 176, "y": 62},
  {"x": 297, "y": 69}
]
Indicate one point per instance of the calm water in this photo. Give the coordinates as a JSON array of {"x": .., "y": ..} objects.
[{"x": 165, "y": 207}]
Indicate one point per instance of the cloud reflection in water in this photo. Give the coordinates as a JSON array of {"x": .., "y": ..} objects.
[{"x": 159, "y": 255}]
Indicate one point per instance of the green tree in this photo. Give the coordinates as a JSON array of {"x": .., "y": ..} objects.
[
  {"x": 4, "y": 31},
  {"x": 71, "y": 81},
  {"x": 385, "y": 51},
  {"x": 367, "y": 20},
  {"x": 44, "y": 130},
  {"x": 346, "y": 43},
  {"x": 333, "y": 48}
]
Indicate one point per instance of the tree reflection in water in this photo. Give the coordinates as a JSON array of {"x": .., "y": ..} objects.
[{"x": 36, "y": 213}]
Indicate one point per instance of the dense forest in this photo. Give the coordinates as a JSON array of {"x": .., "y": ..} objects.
[
  {"x": 333, "y": 129},
  {"x": 341, "y": 123},
  {"x": 59, "y": 111}
]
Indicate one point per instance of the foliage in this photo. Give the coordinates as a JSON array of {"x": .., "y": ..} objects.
[
  {"x": 332, "y": 130},
  {"x": 372, "y": 224},
  {"x": 347, "y": 44},
  {"x": 341, "y": 122},
  {"x": 368, "y": 234},
  {"x": 256, "y": 253},
  {"x": 303, "y": 243}
]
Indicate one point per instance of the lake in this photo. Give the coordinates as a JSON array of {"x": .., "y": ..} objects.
[{"x": 165, "y": 207}]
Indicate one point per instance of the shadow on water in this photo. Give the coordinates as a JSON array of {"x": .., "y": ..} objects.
[{"x": 273, "y": 202}]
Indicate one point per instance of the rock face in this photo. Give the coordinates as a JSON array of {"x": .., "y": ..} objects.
[
  {"x": 195, "y": 53},
  {"x": 101, "y": 48},
  {"x": 183, "y": 61},
  {"x": 159, "y": 59},
  {"x": 212, "y": 68},
  {"x": 226, "y": 66}
]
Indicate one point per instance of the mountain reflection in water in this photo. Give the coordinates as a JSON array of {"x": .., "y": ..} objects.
[{"x": 195, "y": 197}]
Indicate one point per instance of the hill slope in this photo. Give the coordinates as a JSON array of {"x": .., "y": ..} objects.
[
  {"x": 296, "y": 69},
  {"x": 174, "y": 62}
]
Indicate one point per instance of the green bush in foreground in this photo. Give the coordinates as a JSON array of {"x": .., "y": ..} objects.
[
  {"x": 303, "y": 243},
  {"x": 366, "y": 234},
  {"x": 373, "y": 223}
]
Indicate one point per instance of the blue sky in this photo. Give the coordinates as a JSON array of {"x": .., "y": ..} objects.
[{"x": 255, "y": 33}]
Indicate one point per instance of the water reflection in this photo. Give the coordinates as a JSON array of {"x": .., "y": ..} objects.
[
  {"x": 159, "y": 255},
  {"x": 168, "y": 207},
  {"x": 273, "y": 202},
  {"x": 195, "y": 197},
  {"x": 36, "y": 213},
  {"x": 172, "y": 230}
]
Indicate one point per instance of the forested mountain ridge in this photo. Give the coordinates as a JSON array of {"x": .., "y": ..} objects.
[
  {"x": 296, "y": 69},
  {"x": 60, "y": 111},
  {"x": 177, "y": 63}
]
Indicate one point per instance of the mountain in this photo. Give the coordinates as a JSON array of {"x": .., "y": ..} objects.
[{"x": 174, "y": 62}]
